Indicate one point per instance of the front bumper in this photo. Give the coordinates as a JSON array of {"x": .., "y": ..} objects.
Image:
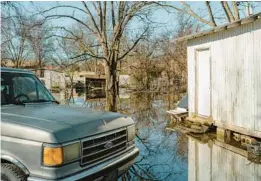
[{"x": 121, "y": 163}]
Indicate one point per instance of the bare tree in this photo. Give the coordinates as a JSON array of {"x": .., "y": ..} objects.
[
  {"x": 107, "y": 22},
  {"x": 231, "y": 11},
  {"x": 40, "y": 39},
  {"x": 174, "y": 58},
  {"x": 145, "y": 67},
  {"x": 14, "y": 43}
]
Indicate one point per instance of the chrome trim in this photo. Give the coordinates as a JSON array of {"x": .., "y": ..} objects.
[
  {"x": 104, "y": 149},
  {"x": 15, "y": 162},
  {"x": 127, "y": 130},
  {"x": 100, "y": 159},
  {"x": 110, "y": 157},
  {"x": 87, "y": 147},
  {"x": 102, "y": 134},
  {"x": 107, "y": 156},
  {"x": 93, "y": 170}
]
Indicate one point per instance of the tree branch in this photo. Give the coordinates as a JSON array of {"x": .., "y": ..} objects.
[
  {"x": 228, "y": 12},
  {"x": 192, "y": 13},
  {"x": 61, "y": 6},
  {"x": 188, "y": 11},
  {"x": 92, "y": 18},
  {"x": 134, "y": 44},
  {"x": 88, "y": 54},
  {"x": 73, "y": 18},
  {"x": 236, "y": 11},
  {"x": 210, "y": 13}
]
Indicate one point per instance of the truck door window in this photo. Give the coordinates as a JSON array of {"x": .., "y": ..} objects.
[
  {"x": 22, "y": 88},
  {"x": 24, "y": 85}
]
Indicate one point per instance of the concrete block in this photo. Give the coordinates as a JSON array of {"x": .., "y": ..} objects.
[{"x": 221, "y": 134}]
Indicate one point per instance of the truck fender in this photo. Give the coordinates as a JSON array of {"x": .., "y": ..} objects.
[{"x": 15, "y": 162}]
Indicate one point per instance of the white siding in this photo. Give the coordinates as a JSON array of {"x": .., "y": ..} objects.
[
  {"x": 257, "y": 72},
  {"x": 54, "y": 78},
  {"x": 236, "y": 75}
]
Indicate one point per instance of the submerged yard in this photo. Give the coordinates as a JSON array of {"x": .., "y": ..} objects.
[
  {"x": 163, "y": 154},
  {"x": 170, "y": 155}
]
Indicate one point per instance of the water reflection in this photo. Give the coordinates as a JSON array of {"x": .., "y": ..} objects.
[
  {"x": 215, "y": 160},
  {"x": 170, "y": 155},
  {"x": 163, "y": 154}
]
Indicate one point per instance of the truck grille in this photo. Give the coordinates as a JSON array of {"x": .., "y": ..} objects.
[{"x": 102, "y": 147}]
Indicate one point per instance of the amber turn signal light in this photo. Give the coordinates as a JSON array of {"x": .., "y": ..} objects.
[{"x": 52, "y": 156}]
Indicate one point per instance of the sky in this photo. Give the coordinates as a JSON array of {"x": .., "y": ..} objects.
[{"x": 166, "y": 22}]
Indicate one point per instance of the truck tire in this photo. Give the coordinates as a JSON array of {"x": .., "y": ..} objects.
[{"x": 10, "y": 172}]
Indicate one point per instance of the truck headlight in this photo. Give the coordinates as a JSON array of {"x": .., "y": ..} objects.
[
  {"x": 71, "y": 152},
  {"x": 55, "y": 156},
  {"x": 131, "y": 132}
]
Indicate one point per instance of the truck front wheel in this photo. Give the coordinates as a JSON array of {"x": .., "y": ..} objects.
[{"x": 10, "y": 172}]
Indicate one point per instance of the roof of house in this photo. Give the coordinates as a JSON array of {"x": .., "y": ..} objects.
[
  {"x": 240, "y": 22},
  {"x": 6, "y": 69}
]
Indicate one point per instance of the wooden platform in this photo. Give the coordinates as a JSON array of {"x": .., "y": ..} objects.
[
  {"x": 201, "y": 120},
  {"x": 178, "y": 114},
  {"x": 186, "y": 124}
]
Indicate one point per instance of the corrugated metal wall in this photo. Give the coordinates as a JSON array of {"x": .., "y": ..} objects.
[
  {"x": 236, "y": 74},
  {"x": 219, "y": 164}
]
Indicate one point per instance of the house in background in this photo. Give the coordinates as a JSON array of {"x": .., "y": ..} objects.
[
  {"x": 124, "y": 80},
  {"x": 224, "y": 76},
  {"x": 53, "y": 79}
]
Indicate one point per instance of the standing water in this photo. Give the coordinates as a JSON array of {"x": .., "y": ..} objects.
[
  {"x": 163, "y": 154},
  {"x": 170, "y": 155}
]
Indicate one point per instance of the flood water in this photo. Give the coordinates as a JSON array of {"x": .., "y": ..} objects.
[{"x": 170, "y": 155}]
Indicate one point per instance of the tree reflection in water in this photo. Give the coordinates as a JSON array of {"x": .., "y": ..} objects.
[{"x": 163, "y": 155}]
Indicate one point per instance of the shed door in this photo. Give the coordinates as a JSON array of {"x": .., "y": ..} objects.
[{"x": 203, "y": 82}]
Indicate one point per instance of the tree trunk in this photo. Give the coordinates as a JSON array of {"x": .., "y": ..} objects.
[{"x": 112, "y": 87}]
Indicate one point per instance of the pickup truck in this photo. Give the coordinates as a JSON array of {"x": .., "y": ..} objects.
[{"x": 42, "y": 140}]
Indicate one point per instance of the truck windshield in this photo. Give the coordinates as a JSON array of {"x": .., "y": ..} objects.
[{"x": 20, "y": 88}]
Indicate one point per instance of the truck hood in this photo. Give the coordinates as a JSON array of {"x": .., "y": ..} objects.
[{"x": 53, "y": 123}]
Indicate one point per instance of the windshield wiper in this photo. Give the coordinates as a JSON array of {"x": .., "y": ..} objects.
[
  {"x": 43, "y": 100},
  {"x": 36, "y": 101},
  {"x": 18, "y": 103}
]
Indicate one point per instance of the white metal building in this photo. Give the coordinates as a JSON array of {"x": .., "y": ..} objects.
[
  {"x": 52, "y": 78},
  {"x": 224, "y": 76}
]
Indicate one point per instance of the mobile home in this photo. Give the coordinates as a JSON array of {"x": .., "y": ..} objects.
[{"x": 224, "y": 76}]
